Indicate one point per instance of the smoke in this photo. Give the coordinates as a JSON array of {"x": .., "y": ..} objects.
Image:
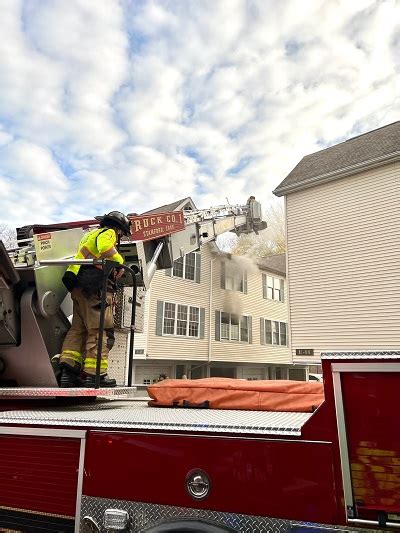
[
  {"x": 243, "y": 264},
  {"x": 233, "y": 303},
  {"x": 237, "y": 268}
]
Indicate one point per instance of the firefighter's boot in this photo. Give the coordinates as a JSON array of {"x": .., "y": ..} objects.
[
  {"x": 69, "y": 378},
  {"x": 105, "y": 381}
]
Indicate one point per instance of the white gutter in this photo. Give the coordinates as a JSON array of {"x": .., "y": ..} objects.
[{"x": 210, "y": 308}]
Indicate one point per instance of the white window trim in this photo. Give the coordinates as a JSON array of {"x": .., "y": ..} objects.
[
  {"x": 240, "y": 319},
  {"x": 196, "y": 255},
  {"x": 265, "y": 289},
  {"x": 272, "y": 333},
  {"x": 187, "y": 336}
]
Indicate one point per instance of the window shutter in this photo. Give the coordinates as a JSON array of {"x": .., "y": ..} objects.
[
  {"x": 282, "y": 290},
  {"x": 168, "y": 272},
  {"x": 159, "y": 318},
  {"x": 198, "y": 268},
  {"x": 262, "y": 330},
  {"x": 217, "y": 325},
  {"x": 222, "y": 275},
  {"x": 202, "y": 322},
  {"x": 264, "y": 286},
  {"x": 250, "y": 326},
  {"x": 245, "y": 282}
]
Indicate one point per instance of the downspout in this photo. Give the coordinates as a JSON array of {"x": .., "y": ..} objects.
[{"x": 210, "y": 309}]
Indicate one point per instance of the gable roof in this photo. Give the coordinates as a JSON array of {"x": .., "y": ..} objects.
[
  {"x": 366, "y": 151},
  {"x": 175, "y": 206},
  {"x": 273, "y": 263}
]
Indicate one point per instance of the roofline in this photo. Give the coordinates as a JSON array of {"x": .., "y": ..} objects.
[
  {"x": 177, "y": 208},
  {"x": 340, "y": 173},
  {"x": 273, "y": 270},
  {"x": 227, "y": 255}
]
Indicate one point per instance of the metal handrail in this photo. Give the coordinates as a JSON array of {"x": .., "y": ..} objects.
[{"x": 107, "y": 268}]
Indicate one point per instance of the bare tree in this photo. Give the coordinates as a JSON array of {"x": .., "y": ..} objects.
[
  {"x": 8, "y": 235},
  {"x": 270, "y": 241}
]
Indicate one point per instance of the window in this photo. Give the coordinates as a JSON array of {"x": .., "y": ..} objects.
[
  {"x": 181, "y": 320},
  {"x": 273, "y": 288},
  {"x": 185, "y": 267},
  {"x": 233, "y": 278},
  {"x": 234, "y": 328},
  {"x": 273, "y": 332}
]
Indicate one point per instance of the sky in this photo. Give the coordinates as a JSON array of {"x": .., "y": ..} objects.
[{"x": 133, "y": 104}]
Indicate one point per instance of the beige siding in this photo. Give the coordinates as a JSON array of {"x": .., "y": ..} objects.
[
  {"x": 254, "y": 305},
  {"x": 344, "y": 263},
  {"x": 181, "y": 291}
]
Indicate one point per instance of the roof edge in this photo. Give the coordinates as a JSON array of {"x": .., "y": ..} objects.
[
  {"x": 272, "y": 270},
  {"x": 341, "y": 173}
]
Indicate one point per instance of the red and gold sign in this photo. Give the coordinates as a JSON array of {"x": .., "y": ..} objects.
[{"x": 148, "y": 227}]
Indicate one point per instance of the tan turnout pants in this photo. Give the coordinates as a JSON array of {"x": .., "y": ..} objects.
[{"x": 79, "y": 349}]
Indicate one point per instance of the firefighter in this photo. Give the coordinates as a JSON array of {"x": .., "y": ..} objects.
[{"x": 79, "y": 351}]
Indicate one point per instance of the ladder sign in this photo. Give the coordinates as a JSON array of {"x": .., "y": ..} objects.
[{"x": 153, "y": 226}]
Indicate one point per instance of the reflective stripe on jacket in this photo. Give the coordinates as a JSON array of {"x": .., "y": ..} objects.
[{"x": 97, "y": 244}]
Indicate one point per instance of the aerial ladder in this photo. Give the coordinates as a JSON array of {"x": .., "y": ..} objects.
[{"x": 35, "y": 305}]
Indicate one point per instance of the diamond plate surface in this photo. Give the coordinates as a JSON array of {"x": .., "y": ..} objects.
[
  {"x": 131, "y": 414},
  {"x": 51, "y": 392},
  {"x": 143, "y": 515},
  {"x": 361, "y": 355}
]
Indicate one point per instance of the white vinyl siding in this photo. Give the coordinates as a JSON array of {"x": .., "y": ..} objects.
[
  {"x": 344, "y": 275},
  {"x": 208, "y": 296}
]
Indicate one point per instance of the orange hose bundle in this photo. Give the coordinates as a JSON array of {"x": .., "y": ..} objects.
[{"x": 227, "y": 393}]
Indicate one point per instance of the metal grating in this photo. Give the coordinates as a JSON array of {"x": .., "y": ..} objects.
[
  {"x": 361, "y": 355},
  {"x": 145, "y": 515},
  {"x": 10, "y": 393},
  {"x": 137, "y": 415}
]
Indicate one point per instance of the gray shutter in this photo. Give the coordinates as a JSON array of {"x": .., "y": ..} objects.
[
  {"x": 282, "y": 290},
  {"x": 262, "y": 331},
  {"x": 168, "y": 271},
  {"x": 202, "y": 321},
  {"x": 222, "y": 274},
  {"x": 245, "y": 282},
  {"x": 159, "y": 318},
  {"x": 264, "y": 286},
  {"x": 217, "y": 325},
  {"x": 250, "y": 327},
  {"x": 198, "y": 268}
]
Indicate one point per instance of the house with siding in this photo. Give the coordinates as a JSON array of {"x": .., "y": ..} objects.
[
  {"x": 343, "y": 234},
  {"x": 213, "y": 314}
]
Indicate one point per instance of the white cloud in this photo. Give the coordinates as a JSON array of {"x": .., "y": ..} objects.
[{"x": 129, "y": 105}]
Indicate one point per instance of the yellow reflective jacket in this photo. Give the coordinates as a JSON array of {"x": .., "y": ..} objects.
[{"x": 97, "y": 244}]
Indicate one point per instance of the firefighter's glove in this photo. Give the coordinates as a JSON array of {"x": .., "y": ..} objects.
[{"x": 118, "y": 273}]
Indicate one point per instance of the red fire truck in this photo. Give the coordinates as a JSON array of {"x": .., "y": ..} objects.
[{"x": 120, "y": 465}]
